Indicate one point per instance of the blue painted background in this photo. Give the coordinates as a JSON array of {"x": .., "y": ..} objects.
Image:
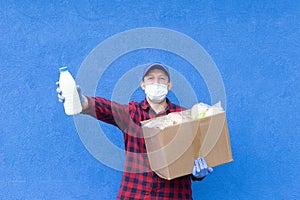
[{"x": 255, "y": 45}]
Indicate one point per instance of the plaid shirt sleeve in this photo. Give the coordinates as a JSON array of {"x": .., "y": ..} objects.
[
  {"x": 196, "y": 179},
  {"x": 109, "y": 112}
]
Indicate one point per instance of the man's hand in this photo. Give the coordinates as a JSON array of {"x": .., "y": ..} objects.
[
  {"x": 61, "y": 98},
  {"x": 201, "y": 169}
]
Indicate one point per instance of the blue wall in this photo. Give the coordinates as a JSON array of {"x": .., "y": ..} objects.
[{"x": 255, "y": 45}]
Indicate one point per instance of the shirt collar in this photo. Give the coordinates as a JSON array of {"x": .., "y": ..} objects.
[{"x": 146, "y": 105}]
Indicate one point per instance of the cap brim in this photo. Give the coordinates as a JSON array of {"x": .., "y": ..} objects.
[{"x": 156, "y": 66}]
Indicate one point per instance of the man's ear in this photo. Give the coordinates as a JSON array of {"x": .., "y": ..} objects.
[
  {"x": 142, "y": 84},
  {"x": 169, "y": 85}
]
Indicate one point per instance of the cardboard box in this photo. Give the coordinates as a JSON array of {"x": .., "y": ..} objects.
[{"x": 172, "y": 151}]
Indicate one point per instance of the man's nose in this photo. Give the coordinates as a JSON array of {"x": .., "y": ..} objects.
[{"x": 156, "y": 80}]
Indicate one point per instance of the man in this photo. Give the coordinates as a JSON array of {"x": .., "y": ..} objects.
[{"x": 138, "y": 181}]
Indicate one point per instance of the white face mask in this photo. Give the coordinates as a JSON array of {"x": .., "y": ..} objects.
[{"x": 156, "y": 92}]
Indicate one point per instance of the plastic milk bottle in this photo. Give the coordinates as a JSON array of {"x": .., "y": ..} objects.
[{"x": 67, "y": 84}]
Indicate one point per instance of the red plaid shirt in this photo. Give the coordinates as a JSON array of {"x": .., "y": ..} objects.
[{"x": 138, "y": 181}]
